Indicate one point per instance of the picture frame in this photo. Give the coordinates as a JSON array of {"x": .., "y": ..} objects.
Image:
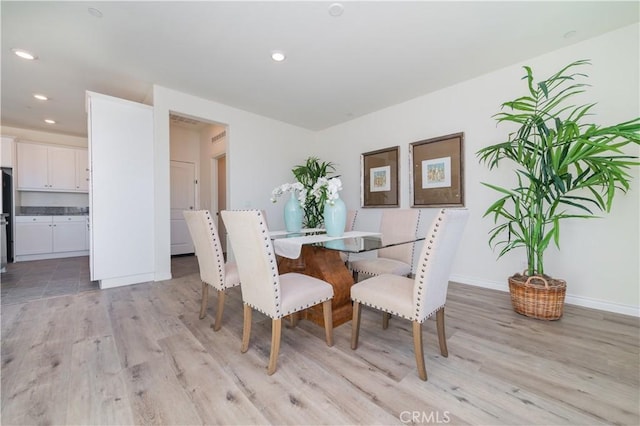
[
  {"x": 379, "y": 172},
  {"x": 437, "y": 171}
]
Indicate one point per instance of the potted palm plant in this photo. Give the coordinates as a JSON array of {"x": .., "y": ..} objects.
[{"x": 564, "y": 167}]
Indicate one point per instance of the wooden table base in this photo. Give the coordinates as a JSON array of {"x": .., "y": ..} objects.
[{"x": 326, "y": 265}]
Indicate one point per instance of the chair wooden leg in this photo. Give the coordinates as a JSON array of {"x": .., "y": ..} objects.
[
  {"x": 417, "y": 349},
  {"x": 220, "y": 310},
  {"x": 355, "y": 276},
  {"x": 355, "y": 325},
  {"x": 205, "y": 300},
  {"x": 328, "y": 322},
  {"x": 276, "y": 329},
  {"x": 442, "y": 339},
  {"x": 385, "y": 320},
  {"x": 246, "y": 328}
]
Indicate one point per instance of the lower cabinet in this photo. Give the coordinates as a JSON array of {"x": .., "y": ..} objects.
[
  {"x": 42, "y": 237},
  {"x": 34, "y": 235}
]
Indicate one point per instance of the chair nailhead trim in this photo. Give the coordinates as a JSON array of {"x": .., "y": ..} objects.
[{"x": 425, "y": 265}]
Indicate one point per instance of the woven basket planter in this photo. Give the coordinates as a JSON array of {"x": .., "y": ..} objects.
[{"x": 537, "y": 296}]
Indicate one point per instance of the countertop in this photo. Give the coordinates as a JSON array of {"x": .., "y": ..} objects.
[{"x": 52, "y": 211}]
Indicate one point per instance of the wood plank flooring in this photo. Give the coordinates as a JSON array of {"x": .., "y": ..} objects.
[{"x": 140, "y": 355}]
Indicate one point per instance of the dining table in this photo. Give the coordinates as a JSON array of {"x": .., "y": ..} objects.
[{"x": 312, "y": 252}]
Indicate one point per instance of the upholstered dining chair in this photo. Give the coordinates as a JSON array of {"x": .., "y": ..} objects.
[
  {"x": 263, "y": 288},
  {"x": 419, "y": 298},
  {"x": 398, "y": 225},
  {"x": 214, "y": 271}
]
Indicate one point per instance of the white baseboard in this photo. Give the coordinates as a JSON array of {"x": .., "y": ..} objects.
[
  {"x": 570, "y": 299},
  {"x": 162, "y": 276},
  {"x": 128, "y": 280},
  {"x": 30, "y": 257}
]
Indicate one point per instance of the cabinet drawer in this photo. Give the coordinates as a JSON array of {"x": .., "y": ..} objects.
[
  {"x": 67, "y": 219},
  {"x": 33, "y": 219}
]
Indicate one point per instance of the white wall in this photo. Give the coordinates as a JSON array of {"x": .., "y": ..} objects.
[
  {"x": 598, "y": 258},
  {"x": 260, "y": 155}
]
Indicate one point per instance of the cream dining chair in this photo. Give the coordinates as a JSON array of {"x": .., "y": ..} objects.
[
  {"x": 214, "y": 271},
  {"x": 419, "y": 298},
  {"x": 263, "y": 288},
  {"x": 396, "y": 225}
]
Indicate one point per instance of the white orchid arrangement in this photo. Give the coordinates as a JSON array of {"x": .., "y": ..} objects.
[
  {"x": 326, "y": 190},
  {"x": 314, "y": 188},
  {"x": 289, "y": 187}
]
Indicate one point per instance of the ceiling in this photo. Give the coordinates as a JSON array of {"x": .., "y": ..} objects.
[{"x": 373, "y": 55}]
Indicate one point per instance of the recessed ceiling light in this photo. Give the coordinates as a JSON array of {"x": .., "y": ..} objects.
[
  {"x": 94, "y": 12},
  {"x": 49, "y": 121},
  {"x": 24, "y": 54},
  {"x": 336, "y": 9},
  {"x": 40, "y": 97},
  {"x": 278, "y": 56}
]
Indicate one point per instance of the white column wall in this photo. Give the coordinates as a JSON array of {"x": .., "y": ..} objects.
[{"x": 598, "y": 257}]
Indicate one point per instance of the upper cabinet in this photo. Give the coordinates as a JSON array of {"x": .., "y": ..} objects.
[
  {"x": 51, "y": 168},
  {"x": 6, "y": 151},
  {"x": 82, "y": 170}
]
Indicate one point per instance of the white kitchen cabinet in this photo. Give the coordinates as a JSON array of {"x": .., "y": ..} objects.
[
  {"x": 51, "y": 168},
  {"x": 69, "y": 233},
  {"x": 43, "y": 237},
  {"x": 33, "y": 235},
  {"x": 62, "y": 169},
  {"x": 87, "y": 241},
  {"x": 33, "y": 166},
  {"x": 6, "y": 151},
  {"x": 82, "y": 170}
]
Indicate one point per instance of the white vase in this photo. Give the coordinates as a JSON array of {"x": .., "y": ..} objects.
[
  {"x": 335, "y": 217},
  {"x": 293, "y": 214}
]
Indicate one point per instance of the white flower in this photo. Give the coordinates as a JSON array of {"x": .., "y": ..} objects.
[
  {"x": 327, "y": 189},
  {"x": 288, "y": 187}
]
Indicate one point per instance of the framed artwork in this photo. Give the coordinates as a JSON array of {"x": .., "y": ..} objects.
[
  {"x": 437, "y": 173},
  {"x": 379, "y": 173}
]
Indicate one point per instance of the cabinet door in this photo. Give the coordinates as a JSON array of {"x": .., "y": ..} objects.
[
  {"x": 69, "y": 234},
  {"x": 62, "y": 169},
  {"x": 34, "y": 237},
  {"x": 32, "y": 162},
  {"x": 6, "y": 157},
  {"x": 87, "y": 241},
  {"x": 82, "y": 170}
]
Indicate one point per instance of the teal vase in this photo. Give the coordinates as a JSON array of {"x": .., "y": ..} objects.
[
  {"x": 293, "y": 214},
  {"x": 335, "y": 218}
]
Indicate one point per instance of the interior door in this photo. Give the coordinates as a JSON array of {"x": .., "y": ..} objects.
[{"x": 183, "y": 182}]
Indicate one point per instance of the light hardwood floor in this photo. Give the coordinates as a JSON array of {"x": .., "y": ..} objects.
[{"x": 140, "y": 355}]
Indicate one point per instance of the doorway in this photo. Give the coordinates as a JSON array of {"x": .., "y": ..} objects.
[
  {"x": 197, "y": 145},
  {"x": 219, "y": 193}
]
